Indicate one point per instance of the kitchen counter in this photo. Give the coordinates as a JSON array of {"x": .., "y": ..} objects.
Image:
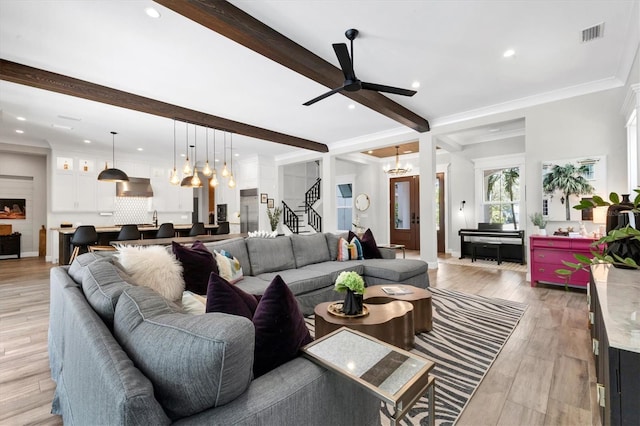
[{"x": 106, "y": 234}]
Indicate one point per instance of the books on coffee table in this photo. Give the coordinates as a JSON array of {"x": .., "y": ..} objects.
[{"x": 393, "y": 290}]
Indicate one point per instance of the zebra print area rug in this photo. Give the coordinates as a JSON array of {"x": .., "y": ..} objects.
[{"x": 468, "y": 333}]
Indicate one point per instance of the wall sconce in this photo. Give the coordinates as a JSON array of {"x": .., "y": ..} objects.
[{"x": 462, "y": 203}]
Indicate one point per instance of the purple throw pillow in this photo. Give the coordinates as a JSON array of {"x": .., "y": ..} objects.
[
  {"x": 369, "y": 246},
  {"x": 279, "y": 324},
  {"x": 229, "y": 299},
  {"x": 280, "y": 328},
  {"x": 197, "y": 264}
]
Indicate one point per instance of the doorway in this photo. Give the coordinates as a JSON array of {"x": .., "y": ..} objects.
[{"x": 404, "y": 211}]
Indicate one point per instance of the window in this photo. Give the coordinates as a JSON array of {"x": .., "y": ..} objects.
[
  {"x": 344, "y": 206},
  {"x": 501, "y": 196}
]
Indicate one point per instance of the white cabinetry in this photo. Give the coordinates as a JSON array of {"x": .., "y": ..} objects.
[
  {"x": 74, "y": 186},
  {"x": 168, "y": 197}
]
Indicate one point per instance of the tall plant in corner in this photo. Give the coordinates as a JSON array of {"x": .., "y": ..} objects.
[
  {"x": 274, "y": 217},
  {"x": 569, "y": 180}
]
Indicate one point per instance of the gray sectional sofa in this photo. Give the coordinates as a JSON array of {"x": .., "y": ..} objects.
[
  {"x": 307, "y": 263},
  {"x": 121, "y": 354}
]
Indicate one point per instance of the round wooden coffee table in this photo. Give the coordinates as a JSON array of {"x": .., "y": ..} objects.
[
  {"x": 419, "y": 298},
  {"x": 390, "y": 322}
]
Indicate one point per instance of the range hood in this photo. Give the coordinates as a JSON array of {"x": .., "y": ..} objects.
[{"x": 136, "y": 187}]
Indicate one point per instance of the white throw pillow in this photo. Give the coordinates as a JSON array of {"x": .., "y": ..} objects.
[{"x": 153, "y": 267}]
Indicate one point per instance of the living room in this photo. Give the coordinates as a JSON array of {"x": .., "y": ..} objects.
[{"x": 574, "y": 119}]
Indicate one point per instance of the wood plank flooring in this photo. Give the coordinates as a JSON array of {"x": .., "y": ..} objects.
[{"x": 545, "y": 374}]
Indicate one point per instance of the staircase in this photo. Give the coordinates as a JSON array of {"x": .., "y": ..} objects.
[{"x": 303, "y": 218}]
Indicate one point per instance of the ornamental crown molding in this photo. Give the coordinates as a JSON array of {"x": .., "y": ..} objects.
[{"x": 631, "y": 100}]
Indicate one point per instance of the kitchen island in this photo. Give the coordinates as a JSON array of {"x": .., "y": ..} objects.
[{"x": 62, "y": 251}]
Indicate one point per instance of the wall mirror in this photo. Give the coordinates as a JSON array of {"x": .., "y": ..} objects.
[{"x": 362, "y": 202}]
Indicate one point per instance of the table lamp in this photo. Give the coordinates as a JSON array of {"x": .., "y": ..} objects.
[{"x": 600, "y": 218}]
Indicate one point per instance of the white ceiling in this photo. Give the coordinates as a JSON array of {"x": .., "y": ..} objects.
[{"x": 453, "y": 48}]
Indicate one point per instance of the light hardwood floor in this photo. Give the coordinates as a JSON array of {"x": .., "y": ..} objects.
[{"x": 544, "y": 375}]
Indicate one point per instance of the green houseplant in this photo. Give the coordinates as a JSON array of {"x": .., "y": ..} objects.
[
  {"x": 538, "y": 220},
  {"x": 621, "y": 240},
  {"x": 274, "y": 217},
  {"x": 353, "y": 284}
]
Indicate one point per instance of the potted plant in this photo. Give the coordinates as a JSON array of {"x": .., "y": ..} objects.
[
  {"x": 540, "y": 222},
  {"x": 353, "y": 284},
  {"x": 274, "y": 217},
  {"x": 620, "y": 247}
]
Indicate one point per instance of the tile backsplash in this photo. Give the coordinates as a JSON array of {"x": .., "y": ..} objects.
[{"x": 132, "y": 210}]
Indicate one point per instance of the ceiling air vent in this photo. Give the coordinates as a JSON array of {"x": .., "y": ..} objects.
[{"x": 592, "y": 33}]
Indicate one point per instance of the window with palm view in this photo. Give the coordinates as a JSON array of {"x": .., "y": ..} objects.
[{"x": 501, "y": 197}]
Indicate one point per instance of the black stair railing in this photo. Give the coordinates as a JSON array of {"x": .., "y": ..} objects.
[
  {"x": 290, "y": 218},
  {"x": 314, "y": 219},
  {"x": 312, "y": 195}
]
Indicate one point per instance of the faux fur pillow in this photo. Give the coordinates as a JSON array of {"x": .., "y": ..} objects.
[{"x": 153, "y": 267}]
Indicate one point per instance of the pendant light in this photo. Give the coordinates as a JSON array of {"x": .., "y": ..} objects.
[
  {"x": 397, "y": 170},
  {"x": 225, "y": 171},
  {"x": 175, "y": 179},
  {"x": 195, "y": 179},
  {"x": 232, "y": 182},
  {"x": 186, "y": 170},
  {"x": 188, "y": 181},
  {"x": 113, "y": 174},
  {"x": 214, "y": 175},
  {"x": 207, "y": 170}
]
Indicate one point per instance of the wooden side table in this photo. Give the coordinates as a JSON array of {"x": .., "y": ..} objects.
[
  {"x": 391, "y": 322},
  {"x": 418, "y": 297},
  {"x": 395, "y": 247}
]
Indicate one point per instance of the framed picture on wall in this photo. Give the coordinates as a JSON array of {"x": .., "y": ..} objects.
[
  {"x": 270, "y": 203},
  {"x": 13, "y": 208},
  {"x": 263, "y": 198}
]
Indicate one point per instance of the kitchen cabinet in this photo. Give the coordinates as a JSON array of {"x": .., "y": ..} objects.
[
  {"x": 74, "y": 185},
  {"x": 548, "y": 252},
  {"x": 614, "y": 315}
]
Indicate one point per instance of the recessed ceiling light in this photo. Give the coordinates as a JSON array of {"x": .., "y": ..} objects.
[
  {"x": 151, "y": 12},
  {"x": 351, "y": 106},
  {"x": 182, "y": 155},
  {"x": 19, "y": 131},
  {"x": 87, "y": 141},
  {"x": 509, "y": 53},
  {"x": 63, "y": 127},
  {"x": 370, "y": 152},
  {"x": 494, "y": 129},
  {"x": 140, "y": 149},
  {"x": 236, "y": 155},
  {"x": 20, "y": 118},
  {"x": 407, "y": 151},
  {"x": 217, "y": 161},
  {"x": 415, "y": 84}
]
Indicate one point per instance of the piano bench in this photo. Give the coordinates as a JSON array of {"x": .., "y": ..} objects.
[{"x": 491, "y": 246}]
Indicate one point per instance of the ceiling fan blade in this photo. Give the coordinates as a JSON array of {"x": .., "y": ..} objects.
[
  {"x": 388, "y": 89},
  {"x": 345, "y": 60},
  {"x": 321, "y": 97}
]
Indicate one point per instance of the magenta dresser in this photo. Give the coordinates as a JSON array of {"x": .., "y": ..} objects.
[{"x": 547, "y": 254}]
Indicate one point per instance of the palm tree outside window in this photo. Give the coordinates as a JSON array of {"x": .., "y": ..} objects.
[{"x": 501, "y": 191}]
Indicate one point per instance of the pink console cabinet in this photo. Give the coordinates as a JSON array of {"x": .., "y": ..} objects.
[{"x": 547, "y": 254}]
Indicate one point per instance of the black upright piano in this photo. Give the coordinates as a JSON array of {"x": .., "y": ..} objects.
[{"x": 514, "y": 252}]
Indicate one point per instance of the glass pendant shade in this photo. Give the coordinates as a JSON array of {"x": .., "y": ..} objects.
[
  {"x": 225, "y": 171},
  {"x": 113, "y": 174},
  {"x": 175, "y": 179},
  {"x": 207, "y": 170},
  {"x": 195, "y": 179},
  {"x": 232, "y": 182},
  {"x": 214, "y": 179}
]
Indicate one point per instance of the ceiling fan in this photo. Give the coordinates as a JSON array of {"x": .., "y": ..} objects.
[{"x": 351, "y": 82}]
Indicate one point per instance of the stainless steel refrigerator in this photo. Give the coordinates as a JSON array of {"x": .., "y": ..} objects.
[{"x": 249, "y": 210}]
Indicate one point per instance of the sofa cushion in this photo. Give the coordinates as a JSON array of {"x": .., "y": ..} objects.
[
  {"x": 229, "y": 299},
  {"x": 369, "y": 245},
  {"x": 270, "y": 254},
  {"x": 102, "y": 285},
  {"x": 238, "y": 249},
  {"x": 279, "y": 324},
  {"x": 197, "y": 264},
  {"x": 301, "y": 281},
  {"x": 80, "y": 263},
  {"x": 332, "y": 243},
  {"x": 195, "y": 362},
  {"x": 333, "y": 269},
  {"x": 228, "y": 266},
  {"x": 309, "y": 249},
  {"x": 153, "y": 267},
  {"x": 349, "y": 250},
  {"x": 253, "y": 285},
  {"x": 280, "y": 328},
  {"x": 395, "y": 270}
]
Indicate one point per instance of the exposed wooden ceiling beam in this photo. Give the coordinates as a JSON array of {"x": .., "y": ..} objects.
[
  {"x": 235, "y": 24},
  {"x": 34, "y": 77}
]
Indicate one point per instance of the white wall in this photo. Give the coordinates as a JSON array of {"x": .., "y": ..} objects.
[{"x": 33, "y": 189}]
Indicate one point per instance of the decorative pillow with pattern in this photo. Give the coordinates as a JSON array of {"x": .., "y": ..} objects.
[
  {"x": 349, "y": 250},
  {"x": 369, "y": 246},
  {"x": 228, "y": 266}
]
